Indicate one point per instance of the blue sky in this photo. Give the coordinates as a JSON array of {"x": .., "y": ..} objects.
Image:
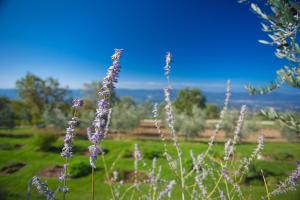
[{"x": 211, "y": 41}]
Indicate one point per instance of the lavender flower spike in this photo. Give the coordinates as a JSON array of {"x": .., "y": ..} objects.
[
  {"x": 67, "y": 150},
  {"x": 77, "y": 103},
  {"x": 168, "y": 190},
  {"x": 290, "y": 184},
  {"x": 98, "y": 129},
  {"x": 43, "y": 188},
  {"x": 167, "y": 67},
  {"x": 239, "y": 126}
]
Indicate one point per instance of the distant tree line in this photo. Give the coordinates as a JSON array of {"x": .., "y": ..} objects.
[{"x": 45, "y": 103}]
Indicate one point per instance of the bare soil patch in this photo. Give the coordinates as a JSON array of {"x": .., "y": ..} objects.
[
  {"x": 51, "y": 172},
  {"x": 12, "y": 168},
  {"x": 129, "y": 177}
]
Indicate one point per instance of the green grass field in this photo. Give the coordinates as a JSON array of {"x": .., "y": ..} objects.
[{"x": 282, "y": 159}]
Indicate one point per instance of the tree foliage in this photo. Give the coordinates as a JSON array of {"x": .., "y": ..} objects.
[
  {"x": 6, "y": 113},
  {"x": 91, "y": 90},
  {"x": 126, "y": 114},
  {"x": 230, "y": 121},
  {"x": 187, "y": 98},
  {"x": 36, "y": 93},
  {"x": 212, "y": 111},
  {"x": 282, "y": 24}
]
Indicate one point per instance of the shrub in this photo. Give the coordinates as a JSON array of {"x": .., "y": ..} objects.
[
  {"x": 6, "y": 114},
  {"x": 229, "y": 123},
  {"x": 125, "y": 115},
  {"x": 79, "y": 169},
  {"x": 283, "y": 156},
  {"x": 128, "y": 153},
  {"x": 212, "y": 111},
  {"x": 289, "y": 133},
  {"x": 268, "y": 168},
  {"x": 55, "y": 118},
  {"x": 190, "y": 125},
  {"x": 153, "y": 154},
  {"x": 44, "y": 141}
]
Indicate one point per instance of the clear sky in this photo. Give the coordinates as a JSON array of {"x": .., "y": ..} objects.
[{"x": 211, "y": 41}]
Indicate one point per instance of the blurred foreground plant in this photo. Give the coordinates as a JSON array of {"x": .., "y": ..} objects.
[{"x": 282, "y": 25}]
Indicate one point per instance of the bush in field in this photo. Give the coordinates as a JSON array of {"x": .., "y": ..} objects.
[
  {"x": 55, "y": 118},
  {"x": 288, "y": 133},
  {"x": 44, "y": 141},
  {"x": 79, "y": 169},
  {"x": 153, "y": 154},
  {"x": 212, "y": 111},
  {"x": 86, "y": 117},
  {"x": 126, "y": 115},
  {"x": 249, "y": 126},
  {"x": 6, "y": 114},
  {"x": 91, "y": 91},
  {"x": 145, "y": 110},
  {"x": 21, "y": 112},
  {"x": 190, "y": 125}
]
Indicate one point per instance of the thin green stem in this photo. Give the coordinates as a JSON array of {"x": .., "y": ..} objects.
[
  {"x": 65, "y": 179},
  {"x": 181, "y": 171},
  {"x": 216, "y": 186},
  {"x": 126, "y": 191},
  {"x": 266, "y": 185},
  {"x": 107, "y": 177},
  {"x": 93, "y": 183},
  {"x": 227, "y": 190}
]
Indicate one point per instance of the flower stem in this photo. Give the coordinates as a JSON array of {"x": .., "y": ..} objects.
[
  {"x": 107, "y": 177},
  {"x": 216, "y": 186},
  {"x": 266, "y": 185},
  {"x": 93, "y": 183}
]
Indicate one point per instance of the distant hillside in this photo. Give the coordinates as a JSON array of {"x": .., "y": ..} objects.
[{"x": 281, "y": 101}]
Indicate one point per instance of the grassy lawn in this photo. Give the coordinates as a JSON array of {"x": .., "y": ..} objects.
[{"x": 282, "y": 159}]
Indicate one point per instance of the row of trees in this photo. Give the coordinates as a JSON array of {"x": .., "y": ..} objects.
[
  {"x": 44, "y": 103},
  {"x": 38, "y": 101}
]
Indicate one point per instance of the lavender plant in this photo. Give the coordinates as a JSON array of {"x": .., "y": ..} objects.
[
  {"x": 67, "y": 152},
  {"x": 99, "y": 128},
  {"x": 208, "y": 177}
]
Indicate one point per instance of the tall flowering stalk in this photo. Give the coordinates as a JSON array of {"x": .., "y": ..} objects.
[
  {"x": 154, "y": 179},
  {"x": 41, "y": 187},
  {"x": 67, "y": 151},
  {"x": 218, "y": 125},
  {"x": 290, "y": 184},
  {"x": 98, "y": 130},
  {"x": 239, "y": 126},
  {"x": 137, "y": 157},
  {"x": 229, "y": 145},
  {"x": 245, "y": 163},
  {"x": 168, "y": 190},
  {"x": 222, "y": 115},
  {"x": 170, "y": 121}
]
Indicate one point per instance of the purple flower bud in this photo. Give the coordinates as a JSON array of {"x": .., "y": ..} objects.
[{"x": 77, "y": 103}]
